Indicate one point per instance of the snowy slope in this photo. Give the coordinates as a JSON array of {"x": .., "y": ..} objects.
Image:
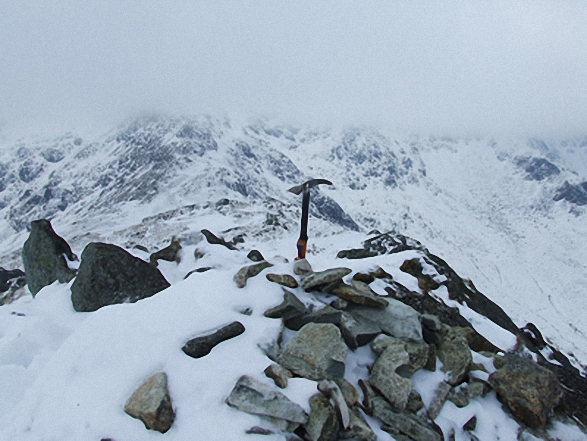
[{"x": 470, "y": 201}]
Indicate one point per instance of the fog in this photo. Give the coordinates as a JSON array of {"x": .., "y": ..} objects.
[{"x": 474, "y": 67}]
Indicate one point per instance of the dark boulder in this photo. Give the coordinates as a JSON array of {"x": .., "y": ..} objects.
[
  {"x": 109, "y": 275},
  {"x": 11, "y": 278},
  {"x": 575, "y": 194},
  {"x": 170, "y": 253},
  {"x": 43, "y": 256}
]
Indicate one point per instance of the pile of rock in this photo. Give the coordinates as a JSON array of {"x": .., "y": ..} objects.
[{"x": 407, "y": 332}]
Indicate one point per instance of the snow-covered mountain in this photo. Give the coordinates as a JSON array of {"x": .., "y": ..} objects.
[{"x": 511, "y": 215}]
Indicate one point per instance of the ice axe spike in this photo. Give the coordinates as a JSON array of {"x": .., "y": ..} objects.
[{"x": 305, "y": 189}]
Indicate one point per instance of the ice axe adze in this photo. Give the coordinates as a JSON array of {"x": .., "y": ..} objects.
[{"x": 305, "y": 190}]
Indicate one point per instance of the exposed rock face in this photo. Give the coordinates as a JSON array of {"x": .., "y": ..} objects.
[
  {"x": 529, "y": 390},
  {"x": 316, "y": 352},
  {"x": 200, "y": 346},
  {"x": 537, "y": 169},
  {"x": 109, "y": 275},
  {"x": 43, "y": 257},
  {"x": 575, "y": 194},
  {"x": 252, "y": 396},
  {"x": 151, "y": 404}
]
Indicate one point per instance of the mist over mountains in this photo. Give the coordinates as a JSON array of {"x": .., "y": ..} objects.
[{"x": 509, "y": 213}]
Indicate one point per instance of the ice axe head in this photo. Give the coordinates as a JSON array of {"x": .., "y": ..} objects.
[{"x": 305, "y": 189}]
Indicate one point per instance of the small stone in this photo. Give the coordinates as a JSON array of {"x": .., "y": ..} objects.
[
  {"x": 415, "y": 402},
  {"x": 365, "y": 278},
  {"x": 323, "y": 424},
  {"x": 170, "y": 253},
  {"x": 151, "y": 404},
  {"x": 214, "y": 240},
  {"x": 283, "y": 279},
  {"x": 458, "y": 396},
  {"x": 255, "y": 256},
  {"x": 315, "y": 280},
  {"x": 322, "y": 315},
  {"x": 256, "y": 430},
  {"x": 403, "y": 422},
  {"x": 471, "y": 424},
  {"x": 353, "y": 295},
  {"x": 291, "y": 306},
  {"x": 201, "y": 346},
  {"x": 455, "y": 355},
  {"x": 440, "y": 395},
  {"x": 350, "y": 393},
  {"x": 302, "y": 267},
  {"x": 278, "y": 374},
  {"x": 331, "y": 390},
  {"x": 198, "y": 254},
  {"x": 358, "y": 429},
  {"x": 246, "y": 272},
  {"x": 340, "y": 304}
]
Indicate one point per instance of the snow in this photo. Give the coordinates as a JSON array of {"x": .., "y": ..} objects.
[{"x": 66, "y": 375}]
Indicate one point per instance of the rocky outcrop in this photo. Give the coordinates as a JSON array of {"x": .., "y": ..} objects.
[
  {"x": 151, "y": 404},
  {"x": 200, "y": 346},
  {"x": 109, "y": 275},
  {"x": 387, "y": 243},
  {"x": 44, "y": 257}
]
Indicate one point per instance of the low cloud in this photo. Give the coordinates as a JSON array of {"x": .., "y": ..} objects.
[{"x": 454, "y": 67}]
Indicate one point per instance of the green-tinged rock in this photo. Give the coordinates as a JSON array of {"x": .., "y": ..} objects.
[
  {"x": 251, "y": 396},
  {"x": 455, "y": 355},
  {"x": 323, "y": 424},
  {"x": 316, "y": 352},
  {"x": 403, "y": 422},
  {"x": 395, "y": 388}
]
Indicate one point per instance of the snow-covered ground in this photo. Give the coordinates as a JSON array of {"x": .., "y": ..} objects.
[{"x": 66, "y": 375}]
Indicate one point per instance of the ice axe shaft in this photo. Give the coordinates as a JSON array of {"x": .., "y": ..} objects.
[{"x": 305, "y": 190}]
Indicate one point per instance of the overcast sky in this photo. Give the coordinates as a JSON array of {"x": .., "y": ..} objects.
[{"x": 435, "y": 66}]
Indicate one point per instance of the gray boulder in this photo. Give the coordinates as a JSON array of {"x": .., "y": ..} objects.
[
  {"x": 43, "y": 257},
  {"x": 109, "y": 275},
  {"x": 290, "y": 307},
  {"x": 357, "y": 330},
  {"x": 251, "y": 396},
  {"x": 151, "y": 404},
  {"x": 529, "y": 390},
  {"x": 397, "y": 319},
  {"x": 360, "y": 297},
  {"x": 316, "y": 352}
]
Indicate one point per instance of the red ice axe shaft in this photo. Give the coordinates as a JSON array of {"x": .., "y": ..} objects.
[{"x": 305, "y": 190}]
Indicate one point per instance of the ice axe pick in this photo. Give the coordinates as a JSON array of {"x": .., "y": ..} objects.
[{"x": 305, "y": 190}]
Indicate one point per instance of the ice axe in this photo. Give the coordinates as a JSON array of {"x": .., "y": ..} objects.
[{"x": 305, "y": 190}]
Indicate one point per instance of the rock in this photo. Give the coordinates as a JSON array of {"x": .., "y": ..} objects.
[
  {"x": 315, "y": 280},
  {"x": 403, "y": 422},
  {"x": 109, "y": 275},
  {"x": 387, "y": 243},
  {"x": 425, "y": 281},
  {"x": 255, "y": 256},
  {"x": 200, "y": 346},
  {"x": 198, "y": 254},
  {"x": 530, "y": 391},
  {"x": 251, "y": 396},
  {"x": 458, "y": 396},
  {"x": 397, "y": 319},
  {"x": 353, "y": 295},
  {"x": 246, "y": 272},
  {"x": 214, "y": 240},
  {"x": 340, "y": 304},
  {"x": 331, "y": 390},
  {"x": 417, "y": 352},
  {"x": 471, "y": 424},
  {"x": 302, "y": 267},
  {"x": 256, "y": 430},
  {"x": 278, "y": 374},
  {"x": 415, "y": 402},
  {"x": 350, "y": 394},
  {"x": 43, "y": 257},
  {"x": 573, "y": 193},
  {"x": 290, "y": 307},
  {"x": 395, "y": 388},
  {"x": 440, "y": 396},
  {"x": 322, "y": 424},
  {"x": 363, "y": 277},
  {"x": 358, "y": 429},
  {"x": 455, "y": 355},
  {"x": 357, "y": 330},
  {"x": 311, "y": 315},
  {"x": 316, "y": 352},
  {"x": 170, "y": 253},
  {"x": 198, "y": 270},
  {"x": 11, "y": 278},
  {"x": 151, "y": 404},
  {"x": 283, "y": 279}
]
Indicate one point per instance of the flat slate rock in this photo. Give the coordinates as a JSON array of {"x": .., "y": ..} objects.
[{"x": 315, "y": 280}]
